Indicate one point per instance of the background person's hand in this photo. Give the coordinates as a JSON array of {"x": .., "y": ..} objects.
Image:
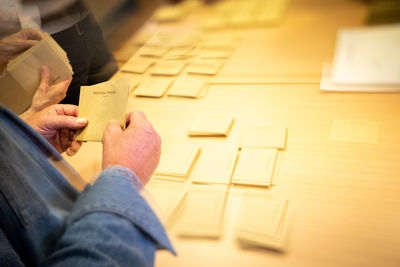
[
  {"x": 138, "y": 147},
  {"x": 18, "y": 42},
  {"x": 58, "y": 125},
  {"x": 47, "y": 95}
]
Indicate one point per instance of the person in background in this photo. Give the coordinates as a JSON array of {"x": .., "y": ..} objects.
[
  {"x": 45, "y": 221},
  {"x": 73, "y": 27}
]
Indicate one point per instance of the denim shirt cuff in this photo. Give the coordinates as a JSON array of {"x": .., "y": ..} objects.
[{"x": 116, "y": 191}]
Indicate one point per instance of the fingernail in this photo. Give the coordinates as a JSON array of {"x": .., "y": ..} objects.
[{"x": 81, "y": 120}]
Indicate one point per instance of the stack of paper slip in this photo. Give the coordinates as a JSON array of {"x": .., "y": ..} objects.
[
  {"x": 219, "y": 42},
  {"x": 153, "y": 51},
  {"x": 177, "y": 160},
  {"x": 255, "y": 166},
  {"x": 168, "y": 68},
  {"x": 23, "y": 73},
  {"x": 169, "y": 14},
  {"x": 178, "y": 53},
  {"x": 267, "y": 136},
  {"x": 211, "y": 125},
  {"x": 213, "y": 23},
  {"x": 264, "y": 221},
  {"x": 215, "y": 164},
  {"x": 203, "y": 212},
  {"x": 366, "y": 60},
  {"x": 215, "y": 54},
  {"x": 207, "y": 67},
  {"x": 271, "y": 12},
  {"x": 187, "y": 88},
  {"x": 101, "y": 103},
  {"x": 137, "y": 65},
  {"x": 153, "y": 88},
  {"x": 168, "y": 198}
]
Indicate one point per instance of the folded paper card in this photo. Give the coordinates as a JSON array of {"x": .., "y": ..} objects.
[
  {"x": 137, "y": 65},
  {"x": 168, "y": 68},
  {"x": 215, "y": 164},
  {"x": 177, "y": 161},
  {"x": 264, "y": 220},
  {"x": 203, "y": 212},
  {"x": 264, "y": 136},
  {"x": 206, "y": 67},
  {"x": 185, "y": 87},
  {"x": 255, "y": 166},
  {"x": 153, "y": 88},
  {"x": 211, "y": 125},
  {"x": 100, "y": 104},
  {"x": 153, "y": 51},
  {"x": 23, "y": 73},
  {"x": 168, "y": 197}
]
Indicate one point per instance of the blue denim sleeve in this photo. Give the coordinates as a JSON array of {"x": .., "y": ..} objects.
[{"x": 111, "y": 225}]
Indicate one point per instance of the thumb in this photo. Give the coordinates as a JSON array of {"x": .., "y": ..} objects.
[
  {"x": 113, "y": 127},
  {"x": 66, "y": 122},
  {"x": 44, "y": 78}
]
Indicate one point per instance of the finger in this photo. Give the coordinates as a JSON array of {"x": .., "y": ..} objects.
[
  {"x": 44, "y": 79},
  {"x": 66, "y": 109},
  {"x": 137, "y": 119},
  {"x": 57, "y": 145},
  {"x": 69, "y": 122},
  {"x": 113, "y": 128},
  {"x": 64, "y": 139},
  {"x": 22, "y": 45},
  {"x": 31, "y": 34},
  {"x": 74, "y": 148}
]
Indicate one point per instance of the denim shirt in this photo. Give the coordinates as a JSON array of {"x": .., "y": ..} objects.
[{"x": 45, "y": 221}]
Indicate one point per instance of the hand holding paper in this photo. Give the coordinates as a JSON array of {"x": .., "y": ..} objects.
[{"x": 100, "y": 104}]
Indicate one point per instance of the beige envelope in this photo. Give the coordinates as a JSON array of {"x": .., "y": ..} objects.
[
  {"x": 100, "y": 104},
  {"x": 203, "y": 212},
  {"x": 22, "y": 75}
]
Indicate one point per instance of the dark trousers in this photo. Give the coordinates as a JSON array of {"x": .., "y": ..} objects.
[{"x": 89, "y": 55}]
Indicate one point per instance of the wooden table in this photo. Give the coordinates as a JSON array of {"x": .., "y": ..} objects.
[{"x": 346, "y": 195}]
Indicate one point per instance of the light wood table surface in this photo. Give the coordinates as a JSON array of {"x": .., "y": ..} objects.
[{"x": 346, "y": 196}]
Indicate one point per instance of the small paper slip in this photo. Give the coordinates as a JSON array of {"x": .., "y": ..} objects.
[
  {"x": 100, "y": 104},
  {"x": 219, "y": 42},
  {"x": 153, "y": 88},
  {"x": 169, "y": 14},
  {"x": 178, "y": 53},
  {"x": 168, "y": 197},
  {"x": 268, "y": 136},
  {"x": 211, "y": 125},
  {"x": 203, "y": 212},
  {"x": 153, "y": 51},
  {"x": 355, "y": 131},
  {"x": 168, "y": 68},
  {"x": 327, "y": 84},
  {"x": 368, "y": 55},
  {"x": 215, "y": 54},
  {"x": 137, "y": 65},
  {"x": 187, "y": 88},
  {"x": 207, "y": 67},
  {"x": 255, "y": 166},
  {"x": 263, "y": 220},
  {"x": 215, "y": 165},
  {"x": 272, "y": 12},
  {"x": 213, "y": 23},
  {"x": 177, "y": 160}
]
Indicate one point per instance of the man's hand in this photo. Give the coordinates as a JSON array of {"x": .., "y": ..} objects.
[
  {"x": 137, "y": 148},
  {"x": 58, "y": 125},
  {"x": 18, "y": 42},
  {"x": 46, "y": 95}
]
